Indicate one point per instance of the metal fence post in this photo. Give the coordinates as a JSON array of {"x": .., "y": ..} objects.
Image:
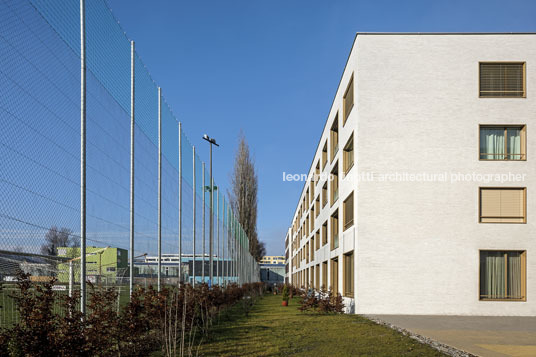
[
  {"x": 159, "y": 188},
  {"x": 203, "y": 221},
  {"x": 217, "y": 234},
  {"x": 193, "y": 204},
  {"x": 82, "y": 156},
  {"x": 132, "y": 127},
  {"x": 180, "y": 204}
]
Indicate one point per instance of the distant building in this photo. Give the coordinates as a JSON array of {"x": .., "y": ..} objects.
[
  {"x": 273, "y": 273},
  {"x": 104, "y": 265},
  {"x": 273, "y": 259}
]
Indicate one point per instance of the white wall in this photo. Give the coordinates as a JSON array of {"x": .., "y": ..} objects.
[{"x": 418, "y": 110}]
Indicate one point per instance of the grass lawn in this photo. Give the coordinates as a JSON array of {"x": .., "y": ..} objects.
[{"x": 274, "y": 330}]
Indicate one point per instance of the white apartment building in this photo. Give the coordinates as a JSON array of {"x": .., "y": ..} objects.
[{"x": 431, "y": 209}]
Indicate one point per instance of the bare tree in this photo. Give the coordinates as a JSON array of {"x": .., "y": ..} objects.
[
  {"x": 56, "y": 238},
  {"x": 243, "y": 196}
]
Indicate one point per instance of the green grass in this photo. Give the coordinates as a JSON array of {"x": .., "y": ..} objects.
[{"x": 274, "y": 330}]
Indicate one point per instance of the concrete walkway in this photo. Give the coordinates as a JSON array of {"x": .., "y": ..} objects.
[{"x": 479, "y": 335}]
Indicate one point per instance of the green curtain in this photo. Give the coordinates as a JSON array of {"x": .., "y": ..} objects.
[{"x": 492, "y": 143}]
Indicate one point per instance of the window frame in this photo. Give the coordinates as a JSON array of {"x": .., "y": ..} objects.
[
  {"x": 334, "y": 276},
  {"x": 346, "y": 166},
  {"x": 524, "y": 63},
  {"x": 334, "y": 171},
  {"x": 523, "y": 275},
  {"x": 523, "y": 128},
  {"x": 346, "y": 113},
  {"x": 480, "y": 188},
  {"x": 334, "y": 149},
  {"x": 332, "y": 240},
  {"x": 350, "y": 224},
  {"x": 348, "y": 256}
]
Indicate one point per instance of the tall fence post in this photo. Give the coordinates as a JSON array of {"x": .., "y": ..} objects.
[
  {"x": 193, "y": 204},
  {"x": 180, "y": 204},
  {"x": 132, "y": 127},
  {"x": 82, "y": 156},
  {"x": 203, "y": 221},
  {"x": 159, "y": 275},
  {"x": 218, "y": 260}
]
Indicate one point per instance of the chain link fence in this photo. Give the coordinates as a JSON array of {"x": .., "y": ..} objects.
[{"x": 135, "y": 192}]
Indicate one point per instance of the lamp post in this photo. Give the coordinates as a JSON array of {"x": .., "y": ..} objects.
[{"x": 211, "y": 141}]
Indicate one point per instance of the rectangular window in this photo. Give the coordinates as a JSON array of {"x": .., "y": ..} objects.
[
  {"x": 317, "y": 240},
  {"x": 502, "y": 79},
  {"x": 348, "y": 99},
  {"x": 324, "y": 194},
  {"x": 325, "y": 233},
  {"x": 325, "y": 155},
  {"x": 348, "y": 155},
  {"x": 312, "y": 248},
  {"x": 348, "y": 266},
  {"x": 335, "y": 230},
  {"x": 324, "y": 275},
  {"x": 317, "y": 206},
  {"x": 502, "y": 142},
  {"x": 334, "y": 184},
  {"x": 503, "y": 275},
  {"x": 317, "y": 171},
  {"x": 317, "y": 277},
  {"x": 334, "y": 137},
  {"x": 348, "y": 210},
  {"x": 335, "y": 276},
  {"x": 502, "y": 205}
]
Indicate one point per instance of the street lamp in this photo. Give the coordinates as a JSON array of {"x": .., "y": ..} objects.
[{"x": 212, "y": 141}]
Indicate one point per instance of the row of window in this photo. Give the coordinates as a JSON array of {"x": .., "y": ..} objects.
[{"x": 502, "y": 275}]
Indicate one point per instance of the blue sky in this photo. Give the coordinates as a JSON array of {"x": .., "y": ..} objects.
[{"x": 271, "y": 68}]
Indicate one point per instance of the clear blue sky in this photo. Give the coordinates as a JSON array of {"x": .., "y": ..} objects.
[{"x": 271, "y": 68}]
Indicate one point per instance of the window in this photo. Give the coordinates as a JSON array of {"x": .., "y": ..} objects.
[
  {"x": 317, "y": 172},
  {"x": 334, "y": 177},
  {"x": 334, "y": 137},
  {"x": 317, "y": 206},
  {"x": 502, "y": 205},
  {"x": 324, "y": 275},
  {"x": 502, "y": 275},
  {"x": 348, "y": 155},
  {"x": 325, "y": 155},
  {"x": 348, "y": 99},
  {"x": 335, "y": 230},
  {"x": 312, "y": 248},
  {"x": 335, "y": 276},
  {"x": 307, "y": 253},
  {"x": 502, "y": 142},
  {"x": 348, "y": 267},
  {"x": 110, "y": 269},
  {"x": 502, "y": 79},
  {"x": 325, "y": 233},
  {"x": 317, "y": 240},
  {"x": 317, "y": 277},
  {"x": 348, "y": 211},
  {"x": 324, "y": 194}
]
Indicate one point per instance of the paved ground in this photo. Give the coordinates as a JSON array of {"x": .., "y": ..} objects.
[{"x": 483, "y": 336}]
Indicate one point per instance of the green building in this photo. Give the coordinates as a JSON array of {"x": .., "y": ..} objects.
[{"x": 103, "y": 264}]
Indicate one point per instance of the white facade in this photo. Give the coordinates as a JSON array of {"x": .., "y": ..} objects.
[{"x": 417, "y": 111}]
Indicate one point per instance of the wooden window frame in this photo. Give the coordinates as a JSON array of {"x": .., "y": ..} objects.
[
  {"x": 324, "y": 283},
  {"x": 334, "y": 276},
  {"x": 523, "y": 275},
  {"x": 325, "y": 155},
  {"x": 346, "y": 112},
  {"x": 334, "y": 194},
  {"x": 502, "y": 188},
  {"x": 350, "y": 223},
  {"x": 523, "y": 128},
  {"x": 504, "y": 62},
  {"x": 346, "y": 280},
  {"x": 334, "y": 147},
  {"x": 347, "y": 166},
  {"x": 324, "y": 233},
  {"x": 332, "y": 226}
]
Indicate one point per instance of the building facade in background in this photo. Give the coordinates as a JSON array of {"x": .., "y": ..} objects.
[
  {"x": 272, "y": 259},
  {"x": 419, "y": 193}
]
